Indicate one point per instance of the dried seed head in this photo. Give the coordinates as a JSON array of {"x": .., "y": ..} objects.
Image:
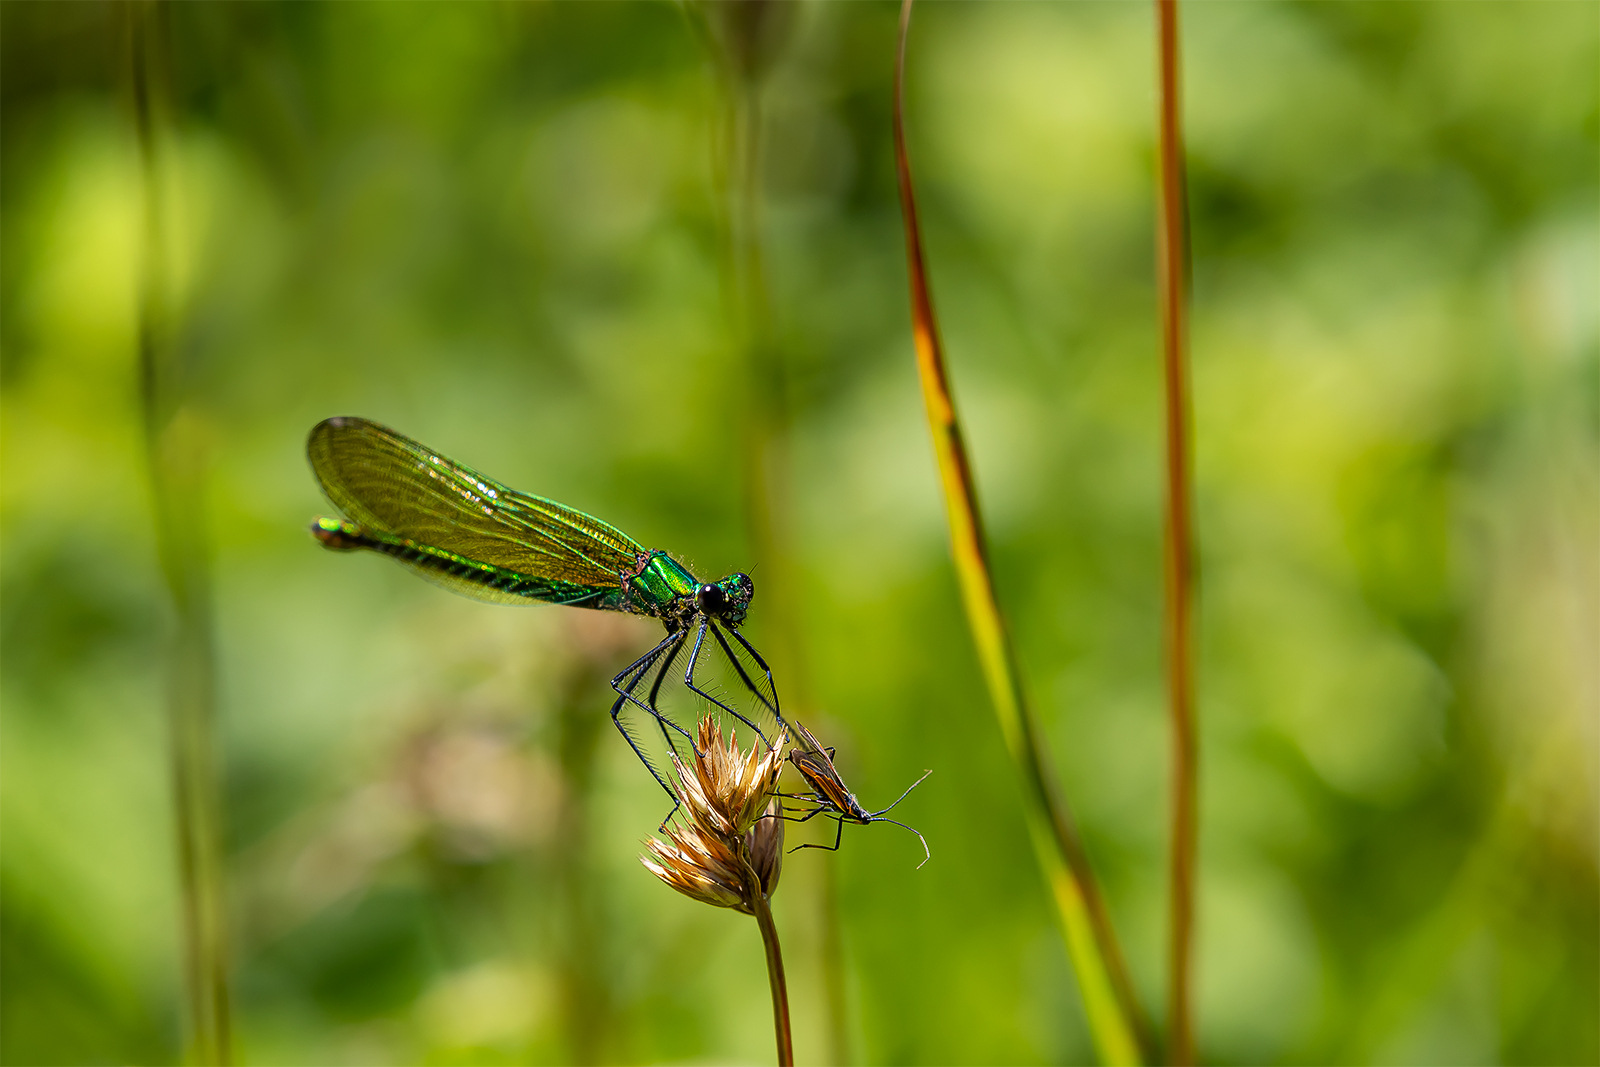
[
  {"x": 698, "y": 864},
  {"x": 765, "y": 841},
  {"x": 730, "y": 788},
  {"x": 726, "y": 796}
]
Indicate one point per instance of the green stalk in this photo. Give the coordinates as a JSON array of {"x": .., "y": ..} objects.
[
  {"x": 762, "y": 910},
  {"x": 1108, "y": 997},
  {"x": 586, "y": 1001},
  {"x": 174, "y": 454},
  {"x": 1172, "y": 269}
]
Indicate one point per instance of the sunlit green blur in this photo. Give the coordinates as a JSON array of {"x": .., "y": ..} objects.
[{"x": 501, "y": 228}]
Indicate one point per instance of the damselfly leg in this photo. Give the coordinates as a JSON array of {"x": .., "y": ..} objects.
[
  {"x": 757, "y": 682},
  {"x": 625, "y": 683}
]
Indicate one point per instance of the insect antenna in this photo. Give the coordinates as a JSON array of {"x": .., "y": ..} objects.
[
  {"x": 902, "y": 796},
  {"x": 926, "y": 855}
]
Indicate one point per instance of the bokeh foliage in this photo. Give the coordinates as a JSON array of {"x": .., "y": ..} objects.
[{"x": 496, "y": 227}]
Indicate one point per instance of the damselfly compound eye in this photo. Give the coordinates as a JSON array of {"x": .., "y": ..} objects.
[{"x": 711, "y": 599}]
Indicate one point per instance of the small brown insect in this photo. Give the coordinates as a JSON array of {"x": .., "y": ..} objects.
[{"x": 830, "y": 795}]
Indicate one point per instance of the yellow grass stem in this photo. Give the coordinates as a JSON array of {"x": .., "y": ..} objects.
[
  {"x": 1172, "y": 268},
  {"x": 174, "y": 451},
  {"x": 1102, "y": 976}
]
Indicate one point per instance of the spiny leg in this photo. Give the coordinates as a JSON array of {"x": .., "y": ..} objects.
[
  {"x": 639, "y": 668},
  {"x": 627, "y": 735},
  {"x": 772, "y": 687},
  {"x": 694, "y": 660},
  {"x": 641, "y": 663},
  {"x": 664, "y": 665}
]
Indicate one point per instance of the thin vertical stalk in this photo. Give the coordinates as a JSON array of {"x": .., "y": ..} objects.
[
  {"x": 751, "y": 32},
  {"x": 586, "y": 998},
  {"x": 768, "y": 503},
  {"x": 173, "y": 452},
  {"x": 1172, "y": 267},
  {"x": 762, "y": 910},
  {"x": 1108, "y": 996}
]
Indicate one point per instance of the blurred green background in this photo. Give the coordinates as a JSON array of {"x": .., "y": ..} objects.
[{"x": 497, "y": 227}]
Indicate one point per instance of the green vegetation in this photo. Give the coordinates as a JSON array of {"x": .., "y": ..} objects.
[{"x": 499, "y": 228}]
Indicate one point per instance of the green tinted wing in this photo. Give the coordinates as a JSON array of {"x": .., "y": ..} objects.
[{"x": 397, "y": 486}]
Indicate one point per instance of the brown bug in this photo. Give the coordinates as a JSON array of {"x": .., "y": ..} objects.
[{"x": 830, "y": 794}]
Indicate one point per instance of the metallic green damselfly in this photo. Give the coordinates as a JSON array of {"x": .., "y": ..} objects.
[{"x": 474, "y": 536}]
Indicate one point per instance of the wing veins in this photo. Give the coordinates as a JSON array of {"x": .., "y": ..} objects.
[{"x": 385, "y": 480}]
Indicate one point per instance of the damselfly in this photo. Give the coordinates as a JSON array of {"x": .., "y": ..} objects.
[
  {"x": 830, "y": 794},
  {"x": 474, "y": 536}
]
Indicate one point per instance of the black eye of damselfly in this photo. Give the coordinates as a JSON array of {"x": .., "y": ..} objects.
[{"x": 711, "y": 598}]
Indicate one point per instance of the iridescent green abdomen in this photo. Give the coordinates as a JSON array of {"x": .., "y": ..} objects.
[{"x": 482, "y": 581}]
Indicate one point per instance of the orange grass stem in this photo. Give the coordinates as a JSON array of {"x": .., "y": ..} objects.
[
  {"x": 1102, "y": 976},
  {"x": 1172, "y": 268}
]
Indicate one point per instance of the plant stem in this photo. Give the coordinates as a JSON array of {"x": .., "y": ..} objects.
[
  {"x": 762, "y": 909},
  {"x": 1107, "y": 993},
  {"x": 586, "y": 998},
  {"x": 174, "y": 451},
  {"x": 767, "y": 485},
  {"x": 1172, "y": 271}
]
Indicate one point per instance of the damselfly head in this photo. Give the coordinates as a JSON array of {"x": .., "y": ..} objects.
[{"x": 732, "y": 598}]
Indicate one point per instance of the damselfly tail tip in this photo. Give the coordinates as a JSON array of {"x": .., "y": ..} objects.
[{"x": 336, "y": 534}]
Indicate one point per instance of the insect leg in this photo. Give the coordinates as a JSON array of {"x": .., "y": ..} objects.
[
  {"x": 837, "y": 837},
  {"x": 640, "y": 664},
  {"x": 694, "y": 659},
  {"x": 772, "y": 686},
  {"x": 807, "y": 816},
  {"x": 627, "y": 735},
  {"x": 639, "y": 668},
  {"x": 663, "y": 665}
]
